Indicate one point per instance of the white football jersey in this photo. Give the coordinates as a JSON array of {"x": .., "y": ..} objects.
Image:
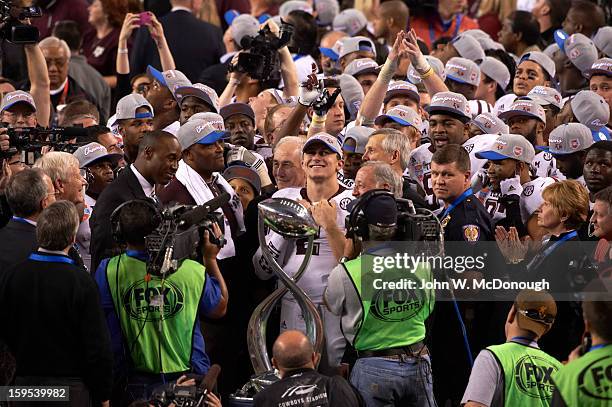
[
  {"x": 481, "y": 142},
  {"x": 544, "y": 165},
  {"x": 531, "y": 198},
  {"x": 289, "y": 253},
  {"x": 504, "y": 103},
  {"x": 490, "y": 200}
]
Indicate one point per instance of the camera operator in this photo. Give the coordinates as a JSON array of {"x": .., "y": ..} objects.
[
  {"x": 156, "y": 163},
  {"x": 99, "y": 166},
  {"x": 28, "y": 193},
  {"x": 390, "y": 347},
  {"x": 153, "y": 319},
  {"x": 76, "y": 349},
  {"x": 295, "y": 359}
]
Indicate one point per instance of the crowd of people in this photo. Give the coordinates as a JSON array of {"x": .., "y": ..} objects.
[{"x": 490, "y": 117}]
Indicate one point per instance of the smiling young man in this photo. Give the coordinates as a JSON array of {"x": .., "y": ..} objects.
[
  {"x": 327, "y": 201},
  {"x": 134, "y": 118}
]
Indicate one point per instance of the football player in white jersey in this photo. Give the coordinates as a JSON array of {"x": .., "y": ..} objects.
[
  {"x": 568, "y": 144},
  {"x": 449, "y": 117},
  {"x": 327, "y": 202},
  {"x": 509, "y": 167},
  {"x": 528, "y": 118}
]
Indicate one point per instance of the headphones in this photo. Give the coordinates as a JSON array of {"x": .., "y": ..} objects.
[
  {"x": 356, "y": 222},
  {"x": 115, "y": 218}
]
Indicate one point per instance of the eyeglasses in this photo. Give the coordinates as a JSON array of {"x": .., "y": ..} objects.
[{"x": 537, "y": 316}]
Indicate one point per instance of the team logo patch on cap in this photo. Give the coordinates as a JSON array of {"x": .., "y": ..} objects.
[
  {"x": 574, "y": 144},
  {"x": 471, "y": 233},
  {"x": 518, "y": 151}
]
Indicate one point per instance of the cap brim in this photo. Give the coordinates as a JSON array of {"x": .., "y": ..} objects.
[
  {"x": 402, "y": 92},
  {"x": 491, "y": 155},
  {"x": 8, "y": 106},
  {"x": 157, "y": 75},
  {"x": 330, "y": 53},
  {"x": 480, "y": 126},
  {"x": 594, "y": 72},
  {"x": 212, "y": 137},
  {"x": 314, "y": 141},
  {"x": 454, "y": 78},
  {"x": 372, "y": 71},
  {"x": 444, "y": 109},
  {"x": 230, "y": 15},
  {"x": 508, "y": 114},
  {"x": 383, "y": 117},
  {"x": 601, "y": 135},
  {"x": 195, "y": 92},
  {"x": 114, "y": 157}
]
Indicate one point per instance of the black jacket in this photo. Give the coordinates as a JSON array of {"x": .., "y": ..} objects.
[
  {"x": 124, "y": 188},
  {"x": 18, "y": 241},
  {"x": 195, "y": 45},
  {"x": 295, "y": 389},
  {"x": 53, "y": 323}
]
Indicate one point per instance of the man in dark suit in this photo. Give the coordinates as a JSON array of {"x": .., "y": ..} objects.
[
  {"x": 157, "y": 161},
  {"x": 28, "y": 192},
  {"x": 194, "y": 44},
  {"x": 48, "y": 296}
]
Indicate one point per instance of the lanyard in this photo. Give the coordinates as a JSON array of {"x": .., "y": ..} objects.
[
  {"x": 298, "y": 56},
  {"x": 49, "y": 258},
  {"x": 21, "y": 220},
  {"x": 456, "y": 202},
  {"x": 552, "y": 247},
  {"x": 598, "y": 346},
  {"x": 432, "y": 32},
  {"x": 62, "y": 99}
]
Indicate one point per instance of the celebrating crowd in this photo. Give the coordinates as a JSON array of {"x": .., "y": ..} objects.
[{"x": 489, "y": 119}]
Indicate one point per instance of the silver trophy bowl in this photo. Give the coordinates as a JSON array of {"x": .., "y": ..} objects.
[{"x": 291, "y": 220}]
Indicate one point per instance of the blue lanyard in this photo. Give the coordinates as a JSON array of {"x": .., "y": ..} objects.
[
  {"x": 456, "y": 202},
  {"x": 21, "y": 220},
  {"x": 598, "y": 346},
  {"x": 432, "y": 33},
  {"x": 50, "y": 258},
  {"x": 552, "y": 247}
]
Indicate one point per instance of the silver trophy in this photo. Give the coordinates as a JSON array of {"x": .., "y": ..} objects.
[{"x": 291, "y": 220}]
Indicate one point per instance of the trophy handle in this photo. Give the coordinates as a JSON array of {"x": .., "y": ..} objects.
[{"x": 256, "y": 332}]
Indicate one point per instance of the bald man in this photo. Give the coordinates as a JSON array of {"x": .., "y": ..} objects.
[
  {"x": 294, "y": 357},
  {"x": 389, "y": 19}
]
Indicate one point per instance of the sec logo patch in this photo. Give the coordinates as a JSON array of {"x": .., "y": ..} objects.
[{"x": 344, "y": 203}]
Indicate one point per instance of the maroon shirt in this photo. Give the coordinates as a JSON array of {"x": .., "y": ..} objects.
[
  {"x": 60, "y": 10},
  {"x": 101, "y": 53}
]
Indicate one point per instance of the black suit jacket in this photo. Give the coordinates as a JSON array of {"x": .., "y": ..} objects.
[
  {"x": 195, "y": 45},
  {"x": 124, "y": 188},
  {"x": 18, "y": 241}
]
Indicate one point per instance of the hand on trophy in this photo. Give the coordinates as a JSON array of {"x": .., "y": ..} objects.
[{"x": 323, "y": 212}]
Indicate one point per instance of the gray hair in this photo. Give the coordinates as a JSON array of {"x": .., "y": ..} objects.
[
  {"x": 55, "y": 42},
  {"x": 395, "y": 140},
  {"x": 384, "y": 174},
  {"x": 57, "y": 164},
  {"x": 57, "y": 225},
  {"x": 288, "y": 139},
  {"x": 25, "y": 192}
]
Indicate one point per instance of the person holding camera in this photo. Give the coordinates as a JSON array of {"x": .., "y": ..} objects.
[
  {"x": 51, "y": 316},
  {"x": 386, "y": 326},
  {"x": 154, "y": 319}
]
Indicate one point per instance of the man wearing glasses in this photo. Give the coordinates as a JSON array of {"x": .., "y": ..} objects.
[{"x": 518, "y": 371}]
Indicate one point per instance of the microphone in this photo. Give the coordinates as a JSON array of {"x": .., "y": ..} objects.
[
  {"x": 591, "y": 229},
  {"x": 199, "y": 213},
  {"x": 210, "y": 379}
]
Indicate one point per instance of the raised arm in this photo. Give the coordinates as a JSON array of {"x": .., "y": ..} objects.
[
  {"x": 157, "y": 33},
  {"x": 433, "y": 83},
  {"x": 39, "y": 82},
  {"x": 130, "y": 23}
]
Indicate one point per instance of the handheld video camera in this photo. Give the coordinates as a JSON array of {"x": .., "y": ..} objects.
[
  {"x": 260, "y": 59},
  {"x": 179, "y": 234},
  {"x": 12, "y": 29},
  {"x": 30, "y": 140}
]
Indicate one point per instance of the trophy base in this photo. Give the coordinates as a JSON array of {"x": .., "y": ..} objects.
[{"x": 244, "y": 396}]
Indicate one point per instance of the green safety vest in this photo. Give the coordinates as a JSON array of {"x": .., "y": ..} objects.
[
  {"x": 391, "y": 317},
  {"x": 158, "y": 329},
  {"x": 527, "y": 374},
  {"x": 587, "y": 381}
]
